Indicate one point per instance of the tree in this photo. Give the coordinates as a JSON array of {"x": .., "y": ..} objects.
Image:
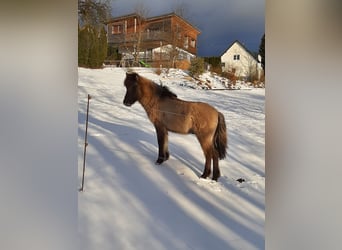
[
  {"x": 93, "y": 59},
  {"x": 142, "y": 13},
  {"x": 262, "y": 52},
  {"x": 196, "y": 67},
  {"x": 103, "y": 47},
  {"x": 83, "y": 46},
  {"x": 92, "y": 39},
  {"x": 92, "y": 47},
  {"x": 93, "y": 12},
  {"x": 181, "y": 9},
  {"x": 178, "y": 35},
  {"x": 215, "y": 63}
]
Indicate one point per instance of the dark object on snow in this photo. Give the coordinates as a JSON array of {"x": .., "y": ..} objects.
[
  {"x": 241, "y": 180},
  {"x": 168, "y": 113}
]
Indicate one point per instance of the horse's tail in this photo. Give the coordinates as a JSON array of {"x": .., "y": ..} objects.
[{"x": 220, "y": 137}]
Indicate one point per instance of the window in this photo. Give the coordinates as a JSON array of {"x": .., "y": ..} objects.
[
  {"x": 117, "y": 29},
  {"x": 186, "y": 42},
  {"x": 236, "y": 57},
  {"x": 193, "y": 43}
]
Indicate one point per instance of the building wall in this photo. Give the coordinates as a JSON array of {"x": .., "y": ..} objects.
[
  {"x": 156, "y": 32},
  {"x": 238, "y": 59}
]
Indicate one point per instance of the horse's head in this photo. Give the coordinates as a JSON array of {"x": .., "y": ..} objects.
[{"x": 131, "y": 84}]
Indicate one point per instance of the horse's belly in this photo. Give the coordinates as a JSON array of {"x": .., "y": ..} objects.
[{"x": 178, "y": 124}]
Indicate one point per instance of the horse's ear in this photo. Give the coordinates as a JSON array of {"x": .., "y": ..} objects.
[{"x": 136, "y": 77}]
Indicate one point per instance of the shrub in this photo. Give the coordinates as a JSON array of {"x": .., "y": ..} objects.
[
  {"x": 230, "y": 76},
  {"x": 196, "y": 67},
  {"x": 158, "y": 71}
]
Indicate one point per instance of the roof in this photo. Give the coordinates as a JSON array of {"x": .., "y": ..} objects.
[
  {"x": 118, "y": 18},
  {"x": 236, "y": 41},
  {"x": 173, "y": 14}
]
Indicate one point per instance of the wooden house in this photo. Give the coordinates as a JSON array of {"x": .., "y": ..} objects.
[{"x": 160, "y": 39}]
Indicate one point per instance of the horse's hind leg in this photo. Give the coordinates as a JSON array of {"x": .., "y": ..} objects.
[
  {"x": 207, "y": 165},
  {"x": 216, "y": 169},
  {"x": 163, "y": 151},
  {"x": 208, "y": 153}
]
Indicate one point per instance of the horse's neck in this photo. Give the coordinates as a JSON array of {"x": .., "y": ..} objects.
[{"x": 147, "y": 100}]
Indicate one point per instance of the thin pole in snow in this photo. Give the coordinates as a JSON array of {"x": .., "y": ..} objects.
[{"x": 85, "y": 145}]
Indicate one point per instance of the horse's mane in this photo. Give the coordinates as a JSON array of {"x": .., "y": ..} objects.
[
  {"x": 160, "y": 91},
  {"x": 163, "y": 92}
]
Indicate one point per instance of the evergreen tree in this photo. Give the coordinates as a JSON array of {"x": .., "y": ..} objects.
[
  {"x": 113, "y": 53},
  {"x": 102, "y": 45},
  {"x": 92, "y": 39},
  {"x": 262, "y": 52},
  {"x": 196, "y": 67},
  {"x": 93, "y": 59},
  {"x": 214, "y": 61},
  {"x": 83, "y": 46}
]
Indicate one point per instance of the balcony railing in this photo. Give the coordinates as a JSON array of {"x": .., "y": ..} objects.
[
  {"x": 146, "y": 36},
  {"x": 149, "y": 39}
]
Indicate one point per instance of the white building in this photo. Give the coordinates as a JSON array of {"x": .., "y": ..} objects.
[{"x": 238, "y": 59}]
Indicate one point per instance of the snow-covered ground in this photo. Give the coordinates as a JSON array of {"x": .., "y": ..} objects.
[{"x": 130, "y": 203}]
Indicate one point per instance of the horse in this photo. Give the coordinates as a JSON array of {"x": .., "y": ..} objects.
[{"x": 168, "y": 113}]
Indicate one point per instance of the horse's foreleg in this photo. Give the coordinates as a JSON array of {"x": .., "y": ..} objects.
[{"x": 162, "y": 137}]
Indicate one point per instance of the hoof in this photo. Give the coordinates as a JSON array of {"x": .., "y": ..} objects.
[
  {"x": 203, "y": 176},
  {"x": 160, "y": 160},
  {"x": 215, "y": 178}
]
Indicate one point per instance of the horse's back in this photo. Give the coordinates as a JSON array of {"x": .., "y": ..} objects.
[
  {"x": 187, "y": 117},
  {"x": 205, "y": 115}
]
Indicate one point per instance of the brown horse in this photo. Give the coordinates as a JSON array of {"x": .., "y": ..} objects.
[{"x": 168, "y": 113}]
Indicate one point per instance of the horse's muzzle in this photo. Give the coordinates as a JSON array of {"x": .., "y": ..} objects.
[{"x": 127, "y": 104}]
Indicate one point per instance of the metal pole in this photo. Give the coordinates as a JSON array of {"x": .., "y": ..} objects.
[{"x": 85, "y": 144}]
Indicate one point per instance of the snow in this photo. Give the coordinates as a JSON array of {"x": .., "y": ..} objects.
[{"x": 128, "y": 202}]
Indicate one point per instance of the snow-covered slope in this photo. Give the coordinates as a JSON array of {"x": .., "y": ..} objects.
[{"x": 130, "y": 203}]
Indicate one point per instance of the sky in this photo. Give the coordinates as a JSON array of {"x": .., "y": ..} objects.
[{"x": 221, "y": 22}]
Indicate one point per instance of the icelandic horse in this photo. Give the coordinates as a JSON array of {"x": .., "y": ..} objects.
[{"x": 168, "y": 113}]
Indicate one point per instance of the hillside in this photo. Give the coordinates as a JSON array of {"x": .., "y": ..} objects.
[{"x": 130, "y": 203}]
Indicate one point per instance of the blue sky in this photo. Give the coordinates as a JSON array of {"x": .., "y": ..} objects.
[{"x": 221, "y": 22}]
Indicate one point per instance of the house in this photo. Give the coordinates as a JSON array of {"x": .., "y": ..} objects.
[
  {"x": 238, "y": 60},
  {"x": 162, "y": 39}
]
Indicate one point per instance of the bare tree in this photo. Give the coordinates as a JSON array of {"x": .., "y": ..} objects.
[
  {"x": 142, "y": 12},
  {"x": 178, "y": 35},
  {"x": 93, "y": 13},
  {"x": 181, "y": 9},
  {"x": 179, "y": 38}
]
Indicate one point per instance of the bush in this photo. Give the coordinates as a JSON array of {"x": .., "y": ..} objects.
[
  {"x": 158, "y": 71},
  {"x": 230, "y": 76},
  {"x": 196, "y": 67}
]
